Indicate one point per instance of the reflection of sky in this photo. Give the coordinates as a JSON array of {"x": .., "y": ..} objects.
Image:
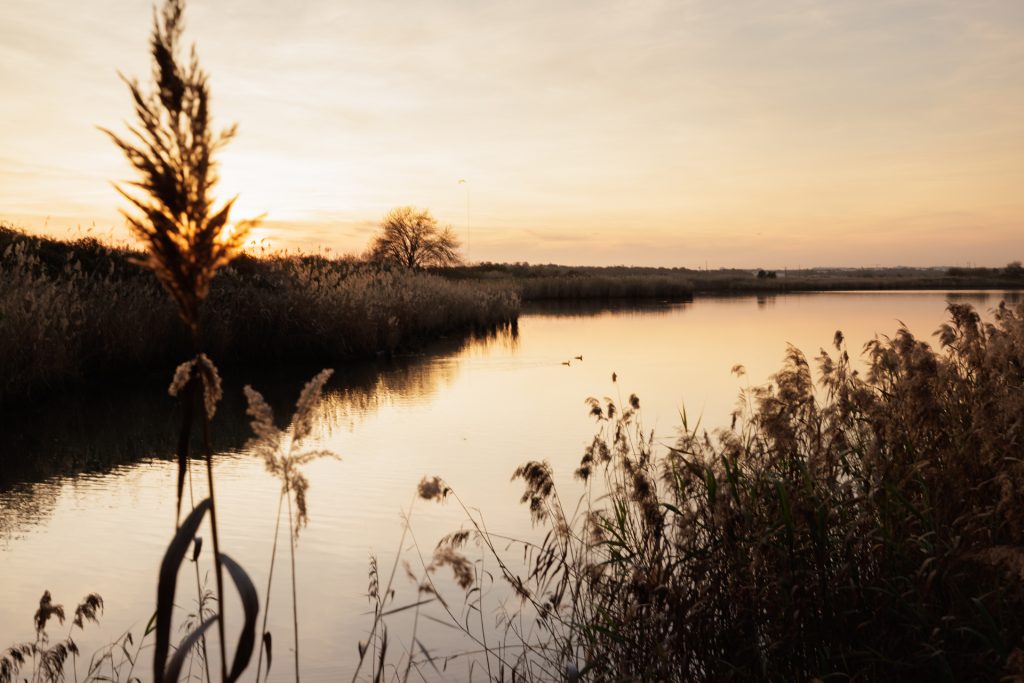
[
  {"x": 746, "y": 133},
  {"x": 470, "y": 417}
]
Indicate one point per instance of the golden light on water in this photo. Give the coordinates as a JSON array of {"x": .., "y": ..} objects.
[{"x": 422, "y": 417}]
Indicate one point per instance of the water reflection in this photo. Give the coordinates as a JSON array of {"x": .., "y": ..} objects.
[
  {"x": 470, "y": 411},
  {"x": 984, "y": 300},
  {"x": 97, "y": 428},
  {"x": 587, "y": 308},
  {"x": 25, "y": 505}
]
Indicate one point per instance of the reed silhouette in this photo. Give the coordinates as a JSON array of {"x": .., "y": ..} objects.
[
  {"x": 48, "y": 659},
  {"x": 186, "y": 241},
  {"x": 75, "y": 311},
  {"x": 172, "y": 148},
  {"x": 868, "y": 527}
]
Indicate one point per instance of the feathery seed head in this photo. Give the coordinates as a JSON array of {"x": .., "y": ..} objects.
[{"x": 172, "y": 148}]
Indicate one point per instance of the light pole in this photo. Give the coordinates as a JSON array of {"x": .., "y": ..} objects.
[{"x": 462, "y": 181}]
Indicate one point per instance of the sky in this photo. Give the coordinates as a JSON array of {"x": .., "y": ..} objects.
[{"x": 696, "y": 133}]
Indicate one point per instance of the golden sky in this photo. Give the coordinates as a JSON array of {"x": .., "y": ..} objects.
[{"x": 748, "y": 133}]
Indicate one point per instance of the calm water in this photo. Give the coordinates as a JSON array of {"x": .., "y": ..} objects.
[{"x": 89, "y": 499}]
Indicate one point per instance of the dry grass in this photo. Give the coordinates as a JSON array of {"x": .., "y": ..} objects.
[
  {"x": 74, "y": 310},
  {"x": 47, "y": 659},
  {"x": 869, "y": 528},
  {"x": 554, "y": 282}
]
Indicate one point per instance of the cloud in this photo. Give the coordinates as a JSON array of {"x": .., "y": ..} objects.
[{"x": 591, "y": 129}]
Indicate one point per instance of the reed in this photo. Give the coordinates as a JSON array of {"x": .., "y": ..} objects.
[
  {"x": 284, "y": 454},
  {"x": 538, "y": 282},
  {"x": 187, "y": 240},
  {"x": 866, "y": 526},
  {"x": 74, "y": 311},
  {"x": 47, "y": 660}
]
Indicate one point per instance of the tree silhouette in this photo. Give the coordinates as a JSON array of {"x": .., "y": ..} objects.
[{"x": 411, "y": 237}]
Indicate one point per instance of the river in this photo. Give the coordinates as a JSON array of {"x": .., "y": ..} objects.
[{"x": 87, "y": 499}]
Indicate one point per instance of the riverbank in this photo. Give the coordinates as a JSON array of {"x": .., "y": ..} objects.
[
  {"x": 80, "y": 309},
  {"x": 550, "y": 282},
  {"x": 74, "y": 310}
]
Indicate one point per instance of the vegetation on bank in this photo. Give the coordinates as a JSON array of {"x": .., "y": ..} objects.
[
  {"x": 869, "y": 527},
  {"x": 74, "y": 309},
  {"x": 540, "y": 282}
]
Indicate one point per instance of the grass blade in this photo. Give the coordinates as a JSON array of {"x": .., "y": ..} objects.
[
  {"x": 267, "y": 642},
  {"x": 174, "y": 666},
  {"x": 251, "y": 610},
  {"x": 168, "y": 582}
]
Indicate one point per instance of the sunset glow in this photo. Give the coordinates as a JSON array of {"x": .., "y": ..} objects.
[{"x": 740, "y": 134}]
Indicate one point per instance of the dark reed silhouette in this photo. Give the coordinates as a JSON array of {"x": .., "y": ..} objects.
[
  {"x": 186, "y": 240},
  {"x": 172, "y": 148},
  {"x": 48, "y": 659},
  {"x": 77, "y": 310},
  {"x": 866, "y": 528}
]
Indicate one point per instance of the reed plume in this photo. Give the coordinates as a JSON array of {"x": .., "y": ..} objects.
[
  {"x": 47, "y": 659},
  {"x": 172, "y": 147},
  {"x": 187, "y": 240},
  {"x": 283, "y": 454}
]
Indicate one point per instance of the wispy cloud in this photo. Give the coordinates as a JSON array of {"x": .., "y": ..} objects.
[{"x": 662, "y": 130}]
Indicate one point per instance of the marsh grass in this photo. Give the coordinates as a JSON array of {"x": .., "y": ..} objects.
[
  {"x": 866, "y": 526},
  {"x": 79, "y": 310},
  {"x": 45, "y": 659},
  {"x": 581, "y": 283},
  {"x": 284, "y": 455}
]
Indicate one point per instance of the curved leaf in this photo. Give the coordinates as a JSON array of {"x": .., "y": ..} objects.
[
  {"x": 168, "y": 582},
  {"x": 267, "y": 642},
  {"x": 186, "y": 645},
  {"x": 251, "y": 608}
]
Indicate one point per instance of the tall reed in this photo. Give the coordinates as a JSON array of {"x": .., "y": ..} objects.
[
  {"x": 78, "y": 310},
  {"x": 867, "y": 526},
  {"x": 48, "y": 659},
  {"x": 284, "y": 455},
  {"x": 186, "y": 241}
]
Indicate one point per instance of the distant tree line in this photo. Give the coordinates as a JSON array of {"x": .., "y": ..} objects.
[{"x": 1013, "y": 269}]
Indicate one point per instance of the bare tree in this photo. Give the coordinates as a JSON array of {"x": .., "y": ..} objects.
[{"x": 411, "y": 237}]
